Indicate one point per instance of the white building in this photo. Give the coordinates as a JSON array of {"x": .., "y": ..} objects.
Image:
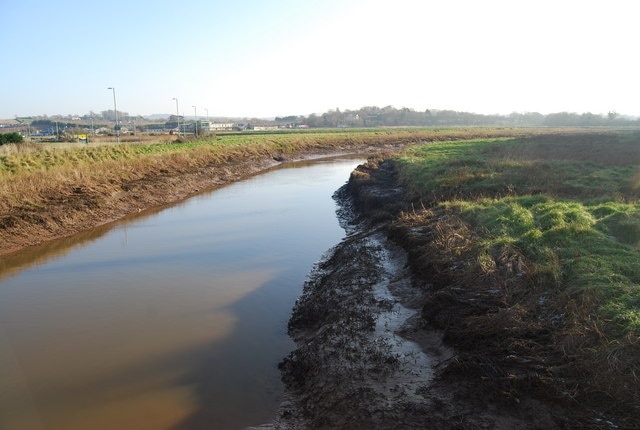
[{"x": 215, "y": 126}]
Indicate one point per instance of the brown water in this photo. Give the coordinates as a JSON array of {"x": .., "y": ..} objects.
[{"x": 172, "y": 320}]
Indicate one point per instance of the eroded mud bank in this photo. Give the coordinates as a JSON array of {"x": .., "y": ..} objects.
[
  {"x": 365, "y": 357},
  {"x": 352, "y": 368}
]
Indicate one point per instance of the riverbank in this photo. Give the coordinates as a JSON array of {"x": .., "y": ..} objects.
[
  {"x": 536, "y": 300},
  {"x": 364, "y": 357},
  {"x": 82, "y": 206}
]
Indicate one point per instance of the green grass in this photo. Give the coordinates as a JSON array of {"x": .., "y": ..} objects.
[
  {"x": 580, "y": 248},
  {"x": 569, "y": 205}
]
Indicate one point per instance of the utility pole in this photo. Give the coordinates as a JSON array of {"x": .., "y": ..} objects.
[
  {"x": 115, "y": 108},
  {"x": 195, "y": 130},
  {"x": 177, "y": 115}
]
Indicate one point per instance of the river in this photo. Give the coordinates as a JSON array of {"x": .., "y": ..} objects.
[{"x": 175, "y": 319}]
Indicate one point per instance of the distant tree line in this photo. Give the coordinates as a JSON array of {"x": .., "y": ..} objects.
[
  {"x": 47, "y": 123},
  {"x": 109, "y": 115},
  {"x": 372, "y": 116}
]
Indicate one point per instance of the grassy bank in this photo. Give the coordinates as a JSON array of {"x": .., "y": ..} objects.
[{"x": 531, "y": 246}]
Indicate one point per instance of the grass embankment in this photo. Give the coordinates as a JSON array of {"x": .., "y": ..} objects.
[
  {"x": 48, "y": 192},
  {"x": 533, "y": 252}
]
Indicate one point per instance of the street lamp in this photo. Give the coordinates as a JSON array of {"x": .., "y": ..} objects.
[
  {"x": 195, "y": 130},
  {"x": 177, "y": 115},
  {"x": 115, "y": 108}
]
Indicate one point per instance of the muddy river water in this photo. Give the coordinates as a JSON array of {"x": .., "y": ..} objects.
[{"x": 170, "y": 320}]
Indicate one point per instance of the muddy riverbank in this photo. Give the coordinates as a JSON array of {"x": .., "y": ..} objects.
[{"x": 365, "y": 357}]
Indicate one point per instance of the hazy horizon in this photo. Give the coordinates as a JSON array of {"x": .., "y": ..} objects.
[
  {"x": 262, "y": 59},
  {"x": 162, "y": 116}
]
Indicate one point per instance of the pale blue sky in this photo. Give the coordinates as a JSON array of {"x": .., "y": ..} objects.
[{"x": 283, "y": 57}]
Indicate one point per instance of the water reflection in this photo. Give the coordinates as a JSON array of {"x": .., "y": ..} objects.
[
  {"x": 175, "y": 320},
  {"x": 18, "y": 261}
]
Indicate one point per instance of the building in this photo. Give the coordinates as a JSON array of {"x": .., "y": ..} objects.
[{"x": 215, "y": 126}]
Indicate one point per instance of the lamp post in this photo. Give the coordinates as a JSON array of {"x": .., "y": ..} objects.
[
  {"x": 177, "y": 115},
  {"x": 115, "y": 108},
  {"x": 195, "y": 130}
]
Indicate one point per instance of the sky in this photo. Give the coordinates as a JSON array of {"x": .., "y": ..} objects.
[{"x": 252, "y": 58}]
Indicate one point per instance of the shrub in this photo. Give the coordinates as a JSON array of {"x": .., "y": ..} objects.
[{"x": 10, "y": 138}]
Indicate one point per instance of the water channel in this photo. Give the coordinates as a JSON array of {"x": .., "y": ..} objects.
[{"x": 170, "y": 320}]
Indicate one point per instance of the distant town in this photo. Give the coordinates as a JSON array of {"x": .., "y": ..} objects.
[
  {"x": 110, "y": 122},
  {"x": 60, "y": 127}
]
